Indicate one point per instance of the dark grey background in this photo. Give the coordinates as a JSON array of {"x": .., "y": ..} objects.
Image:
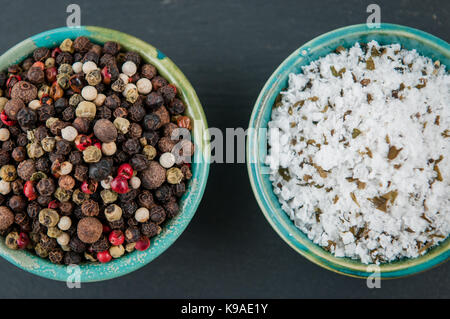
[{"x": 227, "y": 49}]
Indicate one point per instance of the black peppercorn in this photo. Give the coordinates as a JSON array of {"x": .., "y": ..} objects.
[
  {"x": 90, "y": 56},
  {"x": 90, "y": 208},
  {"x": 117, "y": 224},
  {"x": 68, "y": 114},
  {"x": 139, "y": 162},
  {"x": 33, "y": 209},
  {"x": 135, "y": 130},
  {"x": 46, "y": 187},
  {"x": 103, "y": 112},
  {"x": 111, "y": 47},
  {"x": 100, "y": 171},
  {"x": 148, "y": 71},
  {"x": 19, "y": 154},
  {"x": 40, "y": 133},
  {"x": 22, "y": 139},
  {"x": 41, "y": 54},
  {"x": 145, "y": 199},
  {"x": 176, "y": 106},
  {"x": 131, "y": 146},
  {"x": 44, "y": 200},
  {"x": 154, "y": 100},
  {"x": 27, "y": 118},
  {"x": 82, "y": 124},
  {"x": 171, "y": 208},
  {"x": 133, "y": 57},
  {"x": 17, "y": 187},
  {"x": 129, "y": 208},
  {"x": 157, "y": 214},
  {"x": 72, "y": 258},
  {"x": 136, "y": 113},
  {"x": 178, "y": 189},
  {"x": 77, "y": 245},
  {"x": 150, "y": 229},
  {"x": 76, "y": 157},
  {"x": 4, "y": 157},
  {"x": 100, "y": 245},
  {"x": 163, "y": 193},
  {"x": 43, "y": 164},
  {"x": 128, "y": 196},
  {"x": 17, "y": 203},
  {"x": 82, "y": 44},
  {"x": 45, "y": 112},
  {"x": 63, "y": 147},
  {"x": 8, "y": 145},
  {"x": 152, "y": 122},
  {"x": 158, "y": 82},
  {"x": 168, "y": 92},
  {"x": 81, "y": 173},
  {"x": 132, "y": 234},
  {"x": 47, "y": 242},
  {"x": 36, "y": 75},
  {"x": 112, "y": 101},
  {"x": 56, "y": 256},
  {"x": 64, "y": 58}
]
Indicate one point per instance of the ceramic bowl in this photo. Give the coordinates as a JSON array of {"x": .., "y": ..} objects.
[
  {"x": 409, "y": 38},
  {"x": 200, "y": 166}
]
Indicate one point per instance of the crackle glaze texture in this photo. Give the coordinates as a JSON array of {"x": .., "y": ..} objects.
[
  {"x": 200, "y": 166},
  {"x": 409, "y": 38}
]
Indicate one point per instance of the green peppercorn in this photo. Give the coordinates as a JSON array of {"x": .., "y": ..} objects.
[
  {"x": 48, "y": 217},
  {"x": 63, "y": 195},
  {"x": 8, "y": 173},
  {"x": 108, "y": 196},
  {"x": 92, "y": 154},
  {"x": 11, "y": 240}
]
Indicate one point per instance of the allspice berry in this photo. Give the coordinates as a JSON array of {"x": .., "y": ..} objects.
[
  {"x": 24, "y": 91},
  {"x": 6, "y": 218},
  {"x": 12, "y": 107},
  {"x": 89, "y": 230},
  {"x": 154, "y": 176},
  {"x": 105, "y": 131}
]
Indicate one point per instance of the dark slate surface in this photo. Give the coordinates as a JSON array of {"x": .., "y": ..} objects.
[{"x": 227, "y": 49}]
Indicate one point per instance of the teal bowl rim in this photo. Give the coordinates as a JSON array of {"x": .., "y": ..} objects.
[
  {"x": 257, "y": 145},
  {"x": 200, "y": 166}
]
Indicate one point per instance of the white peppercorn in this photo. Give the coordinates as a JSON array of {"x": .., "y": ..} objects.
[
  {"x": 135, "y": 182},
  {"x": 144, "y": 86},
  {"x": 142, "y": 215},
  {"x": 4, "y": 134},
  {"x": 5, "y": 187},
  {"x": 167, "y": 160},
  {"x": 129, "y": 68},
  {"x": 63, "y": 239},
  {"x": 89, "y": 93},
  {"x": 69, "y": 133},
  {"x": 89, "y": 66},
  {"x": 77, "y": 67},
  {"x": 64, "y": 223},
  {"x": 109, "y": 148},
  {"x": 100, "y": 99}
]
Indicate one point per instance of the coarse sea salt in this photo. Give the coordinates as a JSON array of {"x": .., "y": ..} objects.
[{"x": 359, "y": 152}]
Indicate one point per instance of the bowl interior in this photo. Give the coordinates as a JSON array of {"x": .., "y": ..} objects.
[
  {"x": 409, "y": 38},
  {"x": 200, "y": 165}
]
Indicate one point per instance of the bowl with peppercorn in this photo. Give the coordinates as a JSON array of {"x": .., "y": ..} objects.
[
  {"x": 322, "y": 156},
  {"x": 102, "y": 159}
]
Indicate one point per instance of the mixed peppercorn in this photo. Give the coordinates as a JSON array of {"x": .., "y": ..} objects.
[{"x": 92, "y": 157}]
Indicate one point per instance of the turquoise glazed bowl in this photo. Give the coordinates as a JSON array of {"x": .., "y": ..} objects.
[
  {"x": 409, "y": 38},
  {"x": 200, "y": 166}
]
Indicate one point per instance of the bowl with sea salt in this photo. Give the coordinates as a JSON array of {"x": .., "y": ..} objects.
[{"x": 348, "y": 151}]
